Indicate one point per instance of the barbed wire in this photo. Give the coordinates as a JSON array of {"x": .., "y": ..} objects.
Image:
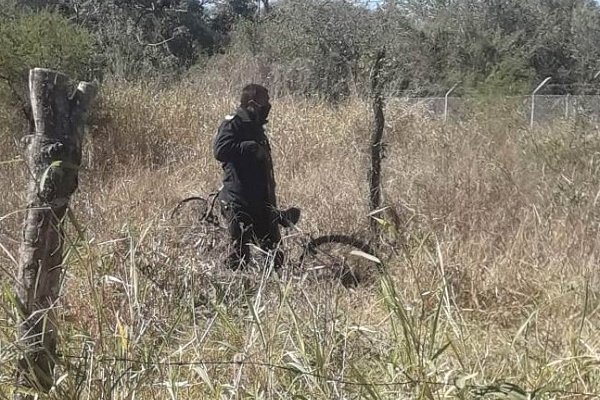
[{"x": 481, "y": 390}]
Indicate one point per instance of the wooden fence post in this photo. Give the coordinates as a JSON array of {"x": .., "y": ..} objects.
[
  {"x": 53, "y": 158},
  {"x": 376, "y": 137}
]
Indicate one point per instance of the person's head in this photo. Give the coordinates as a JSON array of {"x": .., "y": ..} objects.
[{"x": 255, "y": 100}]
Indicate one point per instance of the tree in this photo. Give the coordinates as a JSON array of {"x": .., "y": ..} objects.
[
  {"x": 313, "y": 47},
  {"x": 229, "y": 12},
  {"x": 325, "y": 46},
  {"x": 585, "y": 39}
]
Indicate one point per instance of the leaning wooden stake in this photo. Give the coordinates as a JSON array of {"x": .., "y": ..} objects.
[
  {"x": 53, "y": 157},
  {"x": 376, "y": 138}
]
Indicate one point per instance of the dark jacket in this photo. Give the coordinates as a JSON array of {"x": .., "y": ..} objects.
[{"x": 243, "y": 149}]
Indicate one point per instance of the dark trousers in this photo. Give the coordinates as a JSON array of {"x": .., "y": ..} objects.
[{"x": 259, "y": 226}]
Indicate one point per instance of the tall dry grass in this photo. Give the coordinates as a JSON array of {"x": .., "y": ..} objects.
[{"x": 490, "y": 256}]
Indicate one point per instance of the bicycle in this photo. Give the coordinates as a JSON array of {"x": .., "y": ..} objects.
[{"x": 333, "y": 256}]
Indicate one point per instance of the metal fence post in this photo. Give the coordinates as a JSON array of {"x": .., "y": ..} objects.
[
  {"x": 446, "y": 101},
  {"x": 541, "y": 85}
]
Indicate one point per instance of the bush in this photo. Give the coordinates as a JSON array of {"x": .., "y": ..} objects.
[
  {"x": 42, "y": 39},
  {"x": 29, "y": 40},
  {"x": 310, "y": 47}
]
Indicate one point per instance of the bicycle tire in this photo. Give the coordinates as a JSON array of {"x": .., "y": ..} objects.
[
  {"x": 204, "y": 209},
  {"x": 199, "y": 225},
  {"x": 346, "y": 258},
  {"x": 177, "y": 209}
]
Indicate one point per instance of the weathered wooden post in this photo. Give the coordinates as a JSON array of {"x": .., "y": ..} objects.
[
  {"x": 376, "y": 137},
  {"x": 53, "y": 157}
]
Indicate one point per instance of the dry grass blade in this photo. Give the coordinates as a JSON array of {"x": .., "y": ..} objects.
[{"x": 490, "y": 260}]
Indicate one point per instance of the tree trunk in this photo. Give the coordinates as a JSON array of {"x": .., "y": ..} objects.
[
  {"x": 376, "y": 138},
  {"x": 53, "y": 157}
]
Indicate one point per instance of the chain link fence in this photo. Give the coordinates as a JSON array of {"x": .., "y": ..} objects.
[{"x": 546, "y": 108}]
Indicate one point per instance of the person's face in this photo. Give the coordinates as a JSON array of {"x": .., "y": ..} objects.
[
  {"x": 262, "y": 98},
  {"x": 261, "y": 106}
]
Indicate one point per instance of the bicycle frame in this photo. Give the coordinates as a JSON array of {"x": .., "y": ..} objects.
[{"x": 209, "y": 215}]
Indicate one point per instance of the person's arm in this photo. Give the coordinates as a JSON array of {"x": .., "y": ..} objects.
[
  {"x": 227, "y": 147},
  {"x": 272, "y": 198}
]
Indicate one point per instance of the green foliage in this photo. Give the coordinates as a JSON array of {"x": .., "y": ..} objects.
[
  {"x": 497, "y": 47},
  {"x": 318, "y": 45},
  {"x": 152, "y": 39},
  {"x": 137, "y": 39},
  {"x": 42, "y": 39},
  {"x": 28, "y": 40},
  {"x": 508, "y": 77},
  {"x": 229, "y": 12}
]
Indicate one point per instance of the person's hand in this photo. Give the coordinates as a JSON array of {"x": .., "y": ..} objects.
[{"x": 254, "y": 148}]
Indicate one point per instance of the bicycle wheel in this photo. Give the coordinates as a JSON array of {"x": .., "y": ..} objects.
[
  {"x": 198, "y": 224},
  {"x": 341, "y": 257}
]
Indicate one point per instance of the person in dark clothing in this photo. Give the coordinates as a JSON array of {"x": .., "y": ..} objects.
[{"x": 248, "y": 195}]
